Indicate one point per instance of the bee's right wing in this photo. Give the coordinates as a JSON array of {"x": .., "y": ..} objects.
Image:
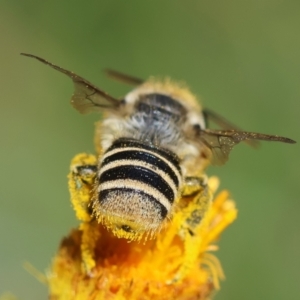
[
  {"x": 87, "y": 97},
  {"x": 221, "y": 142},
  {"x": 225, "y": 124},
  {"x": 124, "y": 78}
]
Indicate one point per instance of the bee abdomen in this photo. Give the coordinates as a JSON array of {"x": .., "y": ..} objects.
[{"x": 138, "y": 182}]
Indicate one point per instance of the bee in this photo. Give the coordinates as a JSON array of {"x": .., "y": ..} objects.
[{"x": 155, "y": 147}]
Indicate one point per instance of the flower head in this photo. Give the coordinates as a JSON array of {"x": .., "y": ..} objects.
[{"x": 166, "y": 267}]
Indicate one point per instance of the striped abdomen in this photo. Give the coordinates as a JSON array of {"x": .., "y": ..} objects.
[{"x": 138, "y": 184}]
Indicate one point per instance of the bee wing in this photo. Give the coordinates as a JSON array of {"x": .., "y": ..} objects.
[
  {"x": 87, "y": 97},
  {"x": 221, "y": 142},
  {"x": 225, "y": 124},
  {"x": 124, "y": 78}
]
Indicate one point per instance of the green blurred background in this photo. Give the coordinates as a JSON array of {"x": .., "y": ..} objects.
[{"x": 241, "y": 57}]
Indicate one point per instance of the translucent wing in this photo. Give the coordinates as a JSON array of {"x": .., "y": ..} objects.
[
  {"x": 225, "y": 124},
  {"x": 124, "y": 78},
  {"x": 221, "y": 142},
  {"x": 86, "y": 97}
]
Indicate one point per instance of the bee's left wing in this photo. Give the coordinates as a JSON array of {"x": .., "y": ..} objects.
[
  {"x": 124, "y": 78},
  {"x": 221, "y": 142},
  {"x": 87, "y": 97}
]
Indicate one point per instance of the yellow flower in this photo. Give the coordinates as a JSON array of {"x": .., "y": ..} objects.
[{"x": 166, "y": 267}]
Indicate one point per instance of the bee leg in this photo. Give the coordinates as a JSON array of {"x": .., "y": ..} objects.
[
  {"x": 89, "y": 238},
  {"x": 192, "y": 222},
  {"x": 193, "y": 185},
  {"x": 81, "y": 186},
  {"x": 81, "y": 183}
]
